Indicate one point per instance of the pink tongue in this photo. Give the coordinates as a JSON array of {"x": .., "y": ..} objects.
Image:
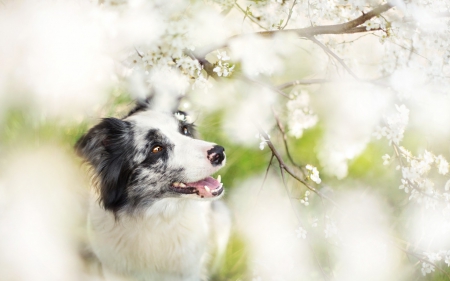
[{"x": 210, "y": 182}]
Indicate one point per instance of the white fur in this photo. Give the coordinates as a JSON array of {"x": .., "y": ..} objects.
[{"x": 169, "y": 242}]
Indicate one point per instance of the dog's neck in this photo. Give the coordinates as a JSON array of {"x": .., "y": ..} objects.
[
  {"x": 155, "y": 240},
  {"x": 171, "y": 207}
]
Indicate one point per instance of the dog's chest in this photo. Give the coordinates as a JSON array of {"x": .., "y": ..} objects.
[{"x": 171, "y": 239}]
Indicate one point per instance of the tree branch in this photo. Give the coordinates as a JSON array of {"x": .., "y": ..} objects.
[
  {"x": 352, "y": 26},
  {"x": 348, "y": 27}
]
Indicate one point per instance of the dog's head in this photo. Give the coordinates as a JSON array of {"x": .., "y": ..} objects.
[{"x": 150, "y": 155}]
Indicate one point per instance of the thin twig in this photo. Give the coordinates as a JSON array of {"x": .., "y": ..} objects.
[
  {"x": 264, "y": 85},
  {"x": 249, "y": 16},
  {"x": 139, "y": 54},
  {"x": 286, "y": 147},
  {"x": 267, "y": 173},
  {"x": 290, "y": 172},
  {"x": 302, "y": 82},
  {"x": 336, "y": 57},
  {"x": 413, "y": 185},
  {"x": 290, "y": 14},
  {"x": 377, "y": 81}
]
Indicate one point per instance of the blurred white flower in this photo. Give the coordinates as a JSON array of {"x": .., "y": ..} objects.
[
  {"x": 202, "y": 83},
  {"x": 314, "y": 222},
  {"x": 301, "y": 232},
  {"x": 263, "y": 142},
  {"x": 447, "y": 258},
  {"x": 427, "y": 268},
  {"x": 223, "y": 69},
  {"x": 258, "y": 55},
  {"x": 222, "y": 56},
  {"x": 330, "y": 229},
  {"x": 313, "y": 173},
  {"x": 305, "y": 200},
  {"x": 257, "y": 278},
  {"x": 442, "y": 165},
  {"x": 386, "y": 159},
  {"x": 56, "y": 52},
  {"x": 350, "y": 114},
  {"x": 300, "y": 115},
  {"x": 447, "y": 186}
]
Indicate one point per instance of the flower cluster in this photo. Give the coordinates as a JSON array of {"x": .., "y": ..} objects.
[
  {"x": 222, "y": 67},
  {"x": 415, "y": 178},
  {"x": 305, "y": 199},
  {"x": 300, "y": 115},
  {"x": 269, "y": 14},
  {"x": 172, "y": 48},
  {"x": 313, "y": 174},
  {"x": 428, "y": 265},
  {"x": 395, "y": 126}
]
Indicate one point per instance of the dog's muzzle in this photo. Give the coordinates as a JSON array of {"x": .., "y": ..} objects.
[{"x": 216, "y": 155}]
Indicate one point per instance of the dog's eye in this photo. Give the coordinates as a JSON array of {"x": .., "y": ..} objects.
[
  {"x": 157, "y": 149},
  {"x": 185, "y": 131}
]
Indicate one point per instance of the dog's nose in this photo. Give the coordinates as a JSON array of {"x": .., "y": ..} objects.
[{"x": 216, "y": 155}]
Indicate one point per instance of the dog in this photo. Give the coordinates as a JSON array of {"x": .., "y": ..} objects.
[{"x": 157, "y": 216}]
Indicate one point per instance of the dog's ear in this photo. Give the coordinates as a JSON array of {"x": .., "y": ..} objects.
[{"x": 107, "y": 147}]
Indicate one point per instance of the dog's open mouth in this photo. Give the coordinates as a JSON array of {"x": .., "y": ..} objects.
[{"x": 205, "y": 188}]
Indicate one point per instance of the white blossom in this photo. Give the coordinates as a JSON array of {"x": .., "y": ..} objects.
[
  {"x": 313, "y": 173},
  {"x": 447, "y": 186},
  {"x": 263, "y": 142},
  {"x": 396, "y": 125},
  {"x": 330, "y": 229},
  {"x": 427, "y": 268},
  {"x": 386, "y": 159},
  {"x": 301, "y": 232},
  {"x": 314, "y": 222},
  {"x": 447, "y": 258},
  {"x": 442, "y": 165},
  {"x": 305, "y": 200},
  {"x": 223, "y": 69},
  {"x": 432, "y": 258},
  {"x": 300, "y": 116}
]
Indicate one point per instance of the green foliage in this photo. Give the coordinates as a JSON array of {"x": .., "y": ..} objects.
[
  {"x": 368, "y": 164},
  {"x": 21, "y": 127},
  {"x": 234, "y": 265}
]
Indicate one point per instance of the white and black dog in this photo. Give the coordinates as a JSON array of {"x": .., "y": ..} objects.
[{"x": 155, "y": 218}]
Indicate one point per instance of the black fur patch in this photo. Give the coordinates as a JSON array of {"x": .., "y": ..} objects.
[
  {"x": 107, "y": 147},
  {"x": 154, "y": 138}
]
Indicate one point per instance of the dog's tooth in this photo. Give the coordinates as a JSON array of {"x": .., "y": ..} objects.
[
  {"x": 176, "y": 184},
  {"x": 207, "y": 189},
  {"x": 221, "y": 185},
  {"x": 182, "y": 185},
  {"x": 219, "y": 178}
]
